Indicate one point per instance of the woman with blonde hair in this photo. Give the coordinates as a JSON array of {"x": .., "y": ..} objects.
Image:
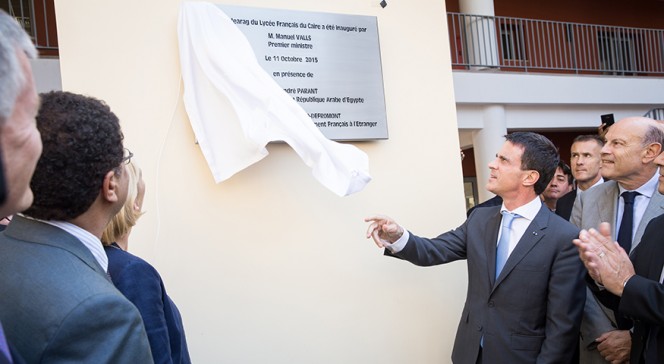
[{"x": 140, "y": 282}]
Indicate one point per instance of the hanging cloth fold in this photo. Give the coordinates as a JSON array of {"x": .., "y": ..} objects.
[{"x": 220, "y": 67}]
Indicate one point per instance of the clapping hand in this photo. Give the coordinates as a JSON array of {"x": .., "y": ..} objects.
[{"x": 607, "y": 263}]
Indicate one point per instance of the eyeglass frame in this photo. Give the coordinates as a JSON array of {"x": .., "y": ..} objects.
[{"x": 127, "y": 159}]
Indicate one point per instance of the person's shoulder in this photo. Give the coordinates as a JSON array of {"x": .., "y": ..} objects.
[
  {"x": 122, "y": 263},
  {"x": 107, "y": 310},
  {"x": 568, "y": 197},
  {"x": 656, "y": 222},
  {"x": 600, "y": 189},
  {"x": 123, "y": 257},
  {"x": 484, "y": 212},
  {"x": 558, "y": 224},
  {"x": 494, "y": 201}
]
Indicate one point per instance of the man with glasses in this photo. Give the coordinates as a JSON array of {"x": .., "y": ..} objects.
[{"x": 58, "y": 303}]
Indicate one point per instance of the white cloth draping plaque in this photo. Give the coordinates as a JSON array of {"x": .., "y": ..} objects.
[{"x": 219, "y": 67}]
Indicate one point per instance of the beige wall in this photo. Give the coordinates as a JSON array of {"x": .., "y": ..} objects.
[{"x": 271, "y": 267}]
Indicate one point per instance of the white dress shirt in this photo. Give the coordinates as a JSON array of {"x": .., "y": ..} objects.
[
  {"x": 526, "y": 214},
  {"x": 640, "y": 204},
  {"x": 90, "y": 241}
]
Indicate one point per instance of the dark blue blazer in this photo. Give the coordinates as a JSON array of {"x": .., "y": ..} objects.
[
  {"x": 142, "y": 285},
  {"x": 16, "y": 358}
]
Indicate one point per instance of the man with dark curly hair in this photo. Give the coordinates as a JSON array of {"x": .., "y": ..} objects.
[{"x": 57, "y": 303}]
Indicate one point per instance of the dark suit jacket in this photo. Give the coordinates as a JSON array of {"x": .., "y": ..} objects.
[
  {"x": 493, "y": 201},
  {"x": 643, "y": 297},
  {"x": 142, "y": 285},
  {"x": 532, "y": 311},
  {"x": 14, "y": 356},
  {"x": 565, "y": 204},
  {"x": 58, "y": 306}
]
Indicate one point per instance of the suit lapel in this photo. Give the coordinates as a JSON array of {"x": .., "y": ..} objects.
[
  {"x": 37, "y": 232},
  {"x": 655, "y": 262},
  {"x": 646, "y": 258},
  {"x": 607, "y": 207},
  {"x": 654, "y": 209},
  {"x": 533, "y": 235},
  {"x": 491, "y": 239}
]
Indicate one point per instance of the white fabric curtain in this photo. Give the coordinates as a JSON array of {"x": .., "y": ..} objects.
[{"x": 219, "y": 68}]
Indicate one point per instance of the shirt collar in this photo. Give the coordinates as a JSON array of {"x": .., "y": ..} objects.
[
  {"x": 528, "y": 211},
  {"x": 647, "y": 189},
  {"x": 599, "y": 182},
  {"x": 88, "y": 239}
]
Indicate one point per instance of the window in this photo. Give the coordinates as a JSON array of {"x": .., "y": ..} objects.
[
  {"x": 512, "y": 43},
  {"x": 22, "y": 11},
  {"x": 616, "y": 51}
]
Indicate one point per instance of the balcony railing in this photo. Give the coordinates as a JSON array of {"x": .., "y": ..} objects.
[
  {"x": 515, "y": 44},
  {"x": 38, "y": 19},
  {"x": 656, "y": 113}
]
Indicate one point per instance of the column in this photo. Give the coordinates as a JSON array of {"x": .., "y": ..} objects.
[
  {"x": 480, "y": 27},
  {"x": 486, "y": 143}
]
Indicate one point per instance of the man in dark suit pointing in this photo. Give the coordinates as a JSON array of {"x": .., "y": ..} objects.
[{"x": 525, "y": 283}]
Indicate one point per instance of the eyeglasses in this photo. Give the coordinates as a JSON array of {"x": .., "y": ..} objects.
[{"x": 127, "y": 156}]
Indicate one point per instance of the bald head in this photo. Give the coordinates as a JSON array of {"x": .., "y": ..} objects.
[{"x": 632, "y": 144}]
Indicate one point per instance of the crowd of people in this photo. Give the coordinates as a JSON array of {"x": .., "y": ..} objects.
[
  {"x": 564, "y": 264},
  {"x": 71, "y": 293}
]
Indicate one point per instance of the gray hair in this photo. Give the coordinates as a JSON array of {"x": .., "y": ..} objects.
[
  {"x": 654, "y": 134},
  {"x": 12, "y": 38}
]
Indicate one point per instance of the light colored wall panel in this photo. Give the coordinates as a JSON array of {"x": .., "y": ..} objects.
[{"x": 269, "y": 266}]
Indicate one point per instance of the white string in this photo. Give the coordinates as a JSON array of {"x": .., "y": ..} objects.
[{"x": 159, "y": 158}]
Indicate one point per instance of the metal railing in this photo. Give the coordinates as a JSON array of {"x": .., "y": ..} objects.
[
  {"x": 656, "y": 113},
  {"x": 516, "y": 44},
  {"x": 38, "y": 19}
]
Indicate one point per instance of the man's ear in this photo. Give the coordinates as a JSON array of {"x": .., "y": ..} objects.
[
  {"x": 531, "y": 178},
  {"x": 651, "y": 152},
  {"x": 109, "y": 188}
]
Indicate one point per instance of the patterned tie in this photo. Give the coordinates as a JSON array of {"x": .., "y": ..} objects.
[
  {"x": 503, "y": 249},
  {"x": 4, "y": 347},
  {"x": 627, "y": 222}
]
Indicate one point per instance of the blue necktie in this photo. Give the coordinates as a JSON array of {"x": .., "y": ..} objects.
[
  {"x": 627, "y": 222},
  {"x": 503, "y": 249},
  {"x": 4, "y": 347}
]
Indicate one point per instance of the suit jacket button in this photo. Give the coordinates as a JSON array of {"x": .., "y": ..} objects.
[
  {"x": 491, "y": 304},
  {"x": 479, "y": 327}
]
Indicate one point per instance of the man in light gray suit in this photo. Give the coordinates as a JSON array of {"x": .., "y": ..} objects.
[
  {"x": 525, "y": 281},
  {"x": 57, "y": 304},
  {"x": 628, "y": 156}
]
